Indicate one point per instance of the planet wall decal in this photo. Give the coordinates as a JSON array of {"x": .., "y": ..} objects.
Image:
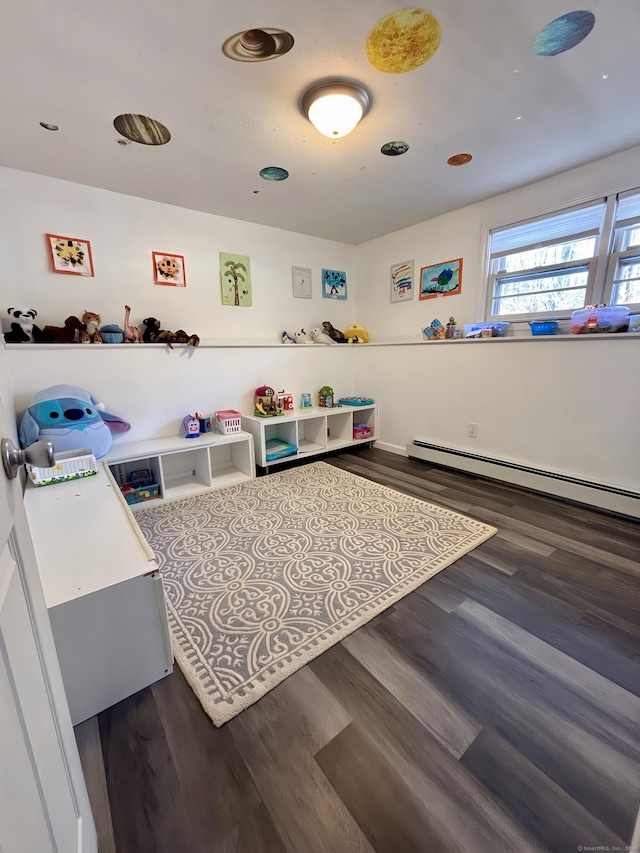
[
  {"x": 403, "y": 40},
  {"x": 459, "y": 159},
  {"x": 141, "y": 129},
  {"x": 563, "y": 33},
  {"x": 395, "y": 148},
  {"x": 274, "y": 173}
]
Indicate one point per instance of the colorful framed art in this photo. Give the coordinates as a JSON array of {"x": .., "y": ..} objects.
[
  {"x": 69, "y": 255},
  {"x": 441, "y": 279},
  {"x": 402, "y": 281},
  {"x": 334, "y": 284},
  {"x": 235, "y": 280},
  {"x": 168, "y": 269}
]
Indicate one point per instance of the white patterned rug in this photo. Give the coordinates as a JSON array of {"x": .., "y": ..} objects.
[{"x": 264, "y": 576}]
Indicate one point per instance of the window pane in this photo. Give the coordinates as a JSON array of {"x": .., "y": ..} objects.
[
  {"x": 626, "y": 284},
  {"x": 576, "y": 250},
  {"x": 551, "y": 280},
  {"x": 634, "y": 237},
  {"x": 540, "y": 303}
]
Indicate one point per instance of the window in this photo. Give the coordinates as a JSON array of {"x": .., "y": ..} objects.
[{"x": 552, "y": 265}]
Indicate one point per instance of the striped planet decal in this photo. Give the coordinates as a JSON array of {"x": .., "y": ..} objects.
[
  {"x": 563, "y": 33},
  {"x": 141, "y": 129}
]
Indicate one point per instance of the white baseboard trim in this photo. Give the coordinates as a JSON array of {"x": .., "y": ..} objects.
[
  {"x": 390, "y": 448},
  {"x": 601, "y": 495}
]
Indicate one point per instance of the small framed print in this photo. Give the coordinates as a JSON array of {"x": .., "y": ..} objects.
[
  {"x": 402, "y": 281},
  {"x": 69, "y": 255},
  {"x": 301, "y": 280},
  {"x": 334, "y": 284},
  {"x": 441, "y": 279},
  {"x": 168, "y": 269}
]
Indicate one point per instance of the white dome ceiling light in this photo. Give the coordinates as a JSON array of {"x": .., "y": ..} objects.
[{"x": 334, "y": 107}]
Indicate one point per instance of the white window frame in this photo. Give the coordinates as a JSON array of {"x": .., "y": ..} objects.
[{"x": 601, "y": 267}]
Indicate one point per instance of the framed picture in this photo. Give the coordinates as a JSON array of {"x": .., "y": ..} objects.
[
  {"x": 402, "y": 281},
  {"x": 70, "y": 255},
  {"x": 168, "y": 269},
  {"x": 235, "y": 280},
  {"x": 301, "y": 280},
  {"x": 334, "y": 284},
  {"x": 441, "y": 279}
]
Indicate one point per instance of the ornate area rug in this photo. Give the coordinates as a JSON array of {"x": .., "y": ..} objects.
[{"x": 264, "y": 576}]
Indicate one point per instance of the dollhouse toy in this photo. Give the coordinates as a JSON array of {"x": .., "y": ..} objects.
[
  {"x": 192, "y": 426},
  {"x": 264, "y": 402},
  {"x": 326, "y": 397}
]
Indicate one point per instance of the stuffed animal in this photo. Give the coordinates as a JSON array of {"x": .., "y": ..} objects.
[
  {"x": 132, "y": 334},
  {"x": 71, "y": 419},
  {"x": 318, "y": 336},
  {"x": 67, "y": 334},
  {"x": 23, "y": 329},
  {"x": 181, "y": 337},
  {"x": 335, "y": 334},
  {"x": 151, "y": 329},
  {"x": 356, "y": 334},
  {"x": 91, "y": 332},
  {"x": 287, "y": 339},
  {"x": 301, "y": 337}
]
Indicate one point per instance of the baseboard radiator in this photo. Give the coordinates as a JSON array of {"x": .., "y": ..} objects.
[{"x": 600, "y": 495}]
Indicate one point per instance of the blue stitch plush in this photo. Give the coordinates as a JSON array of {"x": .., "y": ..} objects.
[{"x": 71, "y": 419}]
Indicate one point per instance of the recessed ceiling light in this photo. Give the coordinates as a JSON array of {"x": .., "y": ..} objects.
[
  {"x": 48, "y": 126},
  {"x": 141, "y": 129},
  {"x": 459, "y": 160},
  {"x": 335, "y": 106}
]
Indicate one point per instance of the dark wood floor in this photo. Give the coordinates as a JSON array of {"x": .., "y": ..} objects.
[{"x": 493, "y": 709}]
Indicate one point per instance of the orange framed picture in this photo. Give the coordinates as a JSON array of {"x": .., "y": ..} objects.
[
  {"x": 69, "y": 255},
  {"x": 168, "y": 269},
  {"x": 441, "y": 279}
]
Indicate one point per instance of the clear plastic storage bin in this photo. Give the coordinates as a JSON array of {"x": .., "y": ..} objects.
[
  {"x": 475, "y": 330},
  {"x": 610, "y": 318}
]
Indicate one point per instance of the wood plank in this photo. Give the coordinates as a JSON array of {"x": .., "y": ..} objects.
[{"x": 448, "y": 724}]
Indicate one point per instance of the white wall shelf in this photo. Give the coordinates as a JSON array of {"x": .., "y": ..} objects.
[
  {"x": 185, "y": 466},
  {"x": 314, "y": 430}
]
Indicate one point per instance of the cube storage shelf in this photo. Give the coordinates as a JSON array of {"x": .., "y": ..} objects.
[
  {"x": 312, "y": 431},
  {"x": 182, "y": 467}
]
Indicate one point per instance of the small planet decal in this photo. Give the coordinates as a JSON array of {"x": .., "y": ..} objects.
[
  {"x": 403, "y": 40},
  {"x": 274, "y": 173},
  {"x": 258, "y": 44},
  {"x": 459, "y": 159},
  {"x": 141, "y": 129},
  {"x": 563, "y": 33},
  {"x": 395, "y": 148}
]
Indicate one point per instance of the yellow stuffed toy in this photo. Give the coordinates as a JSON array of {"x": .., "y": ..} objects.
[{"x": 355, "y": 334}]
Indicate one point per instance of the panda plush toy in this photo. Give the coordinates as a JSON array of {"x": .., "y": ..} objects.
[{"x": 23, "y": 329}]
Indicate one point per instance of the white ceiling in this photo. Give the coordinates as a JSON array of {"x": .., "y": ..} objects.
[{"x": 80, "y": 63}]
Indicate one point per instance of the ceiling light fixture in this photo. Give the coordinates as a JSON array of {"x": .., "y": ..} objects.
[{"x": 334, "y": 107}]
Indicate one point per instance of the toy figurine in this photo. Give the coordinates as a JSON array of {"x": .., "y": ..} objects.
[
  {"x": 192, "y": 426},
  {"x": 265, "y": 404},
  {"x": 326, "y": 397},
  {"x": 451, "y": 328}
]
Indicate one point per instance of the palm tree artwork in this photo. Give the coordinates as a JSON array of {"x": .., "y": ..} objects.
[{"x": 235, "y": 278}]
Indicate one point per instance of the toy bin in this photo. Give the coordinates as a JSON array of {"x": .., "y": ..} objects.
[
  {"x": 543, "y": 327},
  {"x": 362, "y": 431},
  {"x": 634, "y": 322},
  {"x": 228, "y": 421},
  {"x": 610, "y": 318},
  {"x": 485, "y": 330}
]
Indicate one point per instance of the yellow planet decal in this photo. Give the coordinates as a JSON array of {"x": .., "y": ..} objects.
[{"x": 403, "y": 40}]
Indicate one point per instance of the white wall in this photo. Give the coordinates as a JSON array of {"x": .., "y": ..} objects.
[
  {"x": 570, "y": 406},
  {"x": 153, "y": 387}
]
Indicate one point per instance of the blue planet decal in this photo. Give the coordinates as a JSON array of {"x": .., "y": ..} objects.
[
  {"x": 274, "y": 173},
  {"x": 564, "y": 33}
]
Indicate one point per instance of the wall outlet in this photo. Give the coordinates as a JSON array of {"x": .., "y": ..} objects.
[{"x": 472, "y": 430}]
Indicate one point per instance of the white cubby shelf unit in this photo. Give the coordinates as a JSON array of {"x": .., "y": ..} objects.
[
  {"x": 182, "y": 467},
  {"x": 312, "y": 430}
]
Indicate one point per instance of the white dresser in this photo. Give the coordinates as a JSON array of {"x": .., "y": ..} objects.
[{"x": 102, "y": 589}]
